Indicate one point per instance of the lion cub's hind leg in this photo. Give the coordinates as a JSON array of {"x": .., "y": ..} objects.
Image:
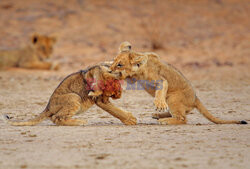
[
  {"x": 178, "y": 117},
  {"x": 177, "y": 110},
  {"x": 68, "y": 121},
  {"x": 71, "y": 105},
  {"x": 171, "y": 121}
]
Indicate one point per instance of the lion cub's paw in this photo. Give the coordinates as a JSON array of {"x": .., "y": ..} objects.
[
  {"x": 95, "y": 94},
  {"x": 163, "y": 121},
  {"x": 161, "y": 115},
  {"x": 131, "y": 120},
  {"x": 55, "y": 66},
  {"x": 84, "y": 122},
  {"x": 156, "y": 116},
  {"x": 171, "y": 121},
  {"x": 161, "y": 105}
]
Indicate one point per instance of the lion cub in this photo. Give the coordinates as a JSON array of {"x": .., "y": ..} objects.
[
  {"x": 77, "y": 93},
  {"x": 33, "y": 56},
  {"x": 176, "y": 94}
]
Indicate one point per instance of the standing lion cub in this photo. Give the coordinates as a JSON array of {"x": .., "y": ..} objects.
[
  {"x": 77, "y": 93},
  {"x": 176, "y": 95},
  {"x": 33, "y": 56}
]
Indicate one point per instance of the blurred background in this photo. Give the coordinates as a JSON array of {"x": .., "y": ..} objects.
[
  {"x": 207, "y": 40},
  {"x": 189, "y": 34}
]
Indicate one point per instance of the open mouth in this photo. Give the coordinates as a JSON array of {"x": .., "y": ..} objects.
[{"x": 117, "y": 75}]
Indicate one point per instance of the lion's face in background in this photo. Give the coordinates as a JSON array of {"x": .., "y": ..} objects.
[{"x": 43, "y": 45}]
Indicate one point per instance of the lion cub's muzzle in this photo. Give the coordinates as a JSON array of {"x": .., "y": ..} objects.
[{"x": 117, "y": 75}]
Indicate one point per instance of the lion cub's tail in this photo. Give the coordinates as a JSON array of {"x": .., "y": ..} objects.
[
  {"x": 30, "y": 122},
  {"x": 210, "y": 117}
]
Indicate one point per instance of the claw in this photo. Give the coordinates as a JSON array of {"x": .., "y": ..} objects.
[{"x": 161, "y": 105}]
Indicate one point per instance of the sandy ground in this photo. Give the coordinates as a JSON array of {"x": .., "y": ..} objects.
[
  {"x": 106, "y": 143},
  {"x": 208, "y": 40}
]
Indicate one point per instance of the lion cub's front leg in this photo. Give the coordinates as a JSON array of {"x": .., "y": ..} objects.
[
  {"x": 160, "y": 97},
  {"x": 125, "y": 117}
]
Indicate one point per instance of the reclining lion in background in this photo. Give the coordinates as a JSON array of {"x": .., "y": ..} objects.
[
  {"x": 177, "y": 95},
  {"x": 33, "y": 56},
  {"x": 77, "y": 93}
]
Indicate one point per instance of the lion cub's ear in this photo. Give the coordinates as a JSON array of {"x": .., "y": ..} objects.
[
  {"x": 125, "y": 46},
  {"x": 34, "y": 38},
  {"x": 138, "y": 60}
]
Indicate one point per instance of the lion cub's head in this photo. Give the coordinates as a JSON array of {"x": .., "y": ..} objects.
[
  {"x": 43, "y": 45},
  {"x": 112, "y": 88},
  {"x": 128, "y": 62},
  {"x": 111, "y": 84},
  {"x": 100, "y": 78}
]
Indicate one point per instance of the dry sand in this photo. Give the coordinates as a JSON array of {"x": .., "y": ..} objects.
[
  {"x": 106, "y": 143},
  {"x": 208, "y": 40}
]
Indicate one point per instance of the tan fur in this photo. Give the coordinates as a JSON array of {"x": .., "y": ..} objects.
[
  {"x": 125, "y": 46},
  {"x": 177, "y": 95},
  {"x": 33, "y": 56},
  {"x": 71, "y": 97}
]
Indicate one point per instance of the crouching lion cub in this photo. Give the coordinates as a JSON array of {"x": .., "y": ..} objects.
[
  {"x": 78, "y": 92},
  {"x": 176, "y": 94},
  {"x": 33, "y": 56}
]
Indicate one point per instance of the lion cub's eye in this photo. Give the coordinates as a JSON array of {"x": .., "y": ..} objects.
[{"x": 119, "y": 65}]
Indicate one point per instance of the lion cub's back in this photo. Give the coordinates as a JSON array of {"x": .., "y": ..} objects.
[
  {"x": 73, "y": 83},
  {"x": 9, "y": 58}
]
